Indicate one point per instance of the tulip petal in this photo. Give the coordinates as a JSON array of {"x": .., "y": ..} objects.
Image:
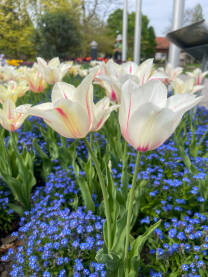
[
  {"x": 54, "y": 62},
  {"x": 158, "y": 76},
  {"x": 84, "y": 93},
  {"x": 128, "y": 89},
  {"x": 62, "y": 90},
  {"x": 102, "y": 112},
  {"x": 67, "y": 118},
  {"x": 183, "y": 102},
  {"x": 74, "y": 117},
  {"x": 9, "y": 108},
  {"x": 85, "y": 87},
  {"x": 23, "y": 108},
  {"x": 153, "y": 92},
  {"x": 41, "y": 61},
  {"x": 149, "y": 127},
  {"x": 130, "y": 68},
  {"x": 144, "y": 71}
]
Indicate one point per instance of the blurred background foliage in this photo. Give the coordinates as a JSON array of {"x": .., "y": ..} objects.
[
  {"x": 65, "y": 28},
  {"x": 148, "y": 43}
]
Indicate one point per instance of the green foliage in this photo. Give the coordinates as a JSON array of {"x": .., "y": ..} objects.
[
  {"x": 16, "y": 170},
  {"x": 16, "y": 30},
  {"x": 148, "y": 42},
  {"x": 197, "y": 14},
  {"x": 58, "y": 35},
  {"x": 99, "y": 32}
]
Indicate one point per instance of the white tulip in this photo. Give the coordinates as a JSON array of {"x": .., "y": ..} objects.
[{"x": 147, "y": 117}]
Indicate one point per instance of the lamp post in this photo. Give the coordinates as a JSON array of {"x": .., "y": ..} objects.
[
  {"x": 93, "y": 50},
  {"x": 178, "y": 10},
  {"x": 137, "y": 32}
]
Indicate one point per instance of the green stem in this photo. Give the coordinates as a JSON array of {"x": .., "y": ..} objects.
[
  {"x": 90, "y": 177},
  {"x": 125, "y": 159},
  {"x": 13, "y": 140},
  {"x": 104, "y": 192},
  {"x": 130, "y": 207}
]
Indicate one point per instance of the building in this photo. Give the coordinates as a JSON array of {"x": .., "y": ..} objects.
[{"x": 162, "y": 48}]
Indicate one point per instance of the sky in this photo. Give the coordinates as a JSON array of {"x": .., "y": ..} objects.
[{"x": 159, "y": 12}]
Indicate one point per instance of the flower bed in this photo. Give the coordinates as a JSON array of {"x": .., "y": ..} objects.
[{"x": 64, "y": 232}]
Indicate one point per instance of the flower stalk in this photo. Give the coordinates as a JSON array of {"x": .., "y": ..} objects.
[
  {"x": 130, "y": 207},
  {"x": 104, "y": 192}
]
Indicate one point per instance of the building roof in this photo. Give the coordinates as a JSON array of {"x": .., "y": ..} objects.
[{"x": 162, "y": 43}]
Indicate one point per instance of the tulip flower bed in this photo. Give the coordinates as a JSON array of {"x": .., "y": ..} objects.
[{"x": 91, "y": 198}]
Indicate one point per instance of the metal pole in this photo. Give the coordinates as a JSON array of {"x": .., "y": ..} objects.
[
  {"x": 204, "y": 62},
  {"x": 124, "y": 36},
  {"x": 178, "y": 11},
  {"x": 137, "y": 31}
]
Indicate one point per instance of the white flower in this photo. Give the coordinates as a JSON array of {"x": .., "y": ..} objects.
[{"x": 147, "y": 117}]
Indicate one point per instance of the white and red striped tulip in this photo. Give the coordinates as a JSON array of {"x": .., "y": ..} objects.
[
  {"x": 147, "y": 117},
  {"x": 53, "y": 71},
  {"x": 13, "y": 90},
  {"x": 35, "y": 80},
  {"x": 10, "y": 119},
  {"x": 197, "y": 75},
  {"x": 171, "y": 72},
  {"x": 185, "y": 86},
  {"x": 72, "y": 112},
  {"x": 144, "y": 72},
  {"x": 113, "y": 76},
  {"x": 108, "y": 78}
]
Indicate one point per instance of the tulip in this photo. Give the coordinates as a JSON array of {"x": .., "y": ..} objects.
[
  {"x": 147, "y": 117},
  {"x": 113, "y": 76},
  {"x": 197, "y": 75},
  {"x": 13, "y": 90},
  {"x": 36, "y": 82},
  {"x": 10, "y": 119},
  {"x": 143, "y": 72},
  {"x": 102, "y": 111},
  {"x": 171, "y": 72},
  {"x": 53, "y": 71},
  {"x": 108, "y": 78},
  {"x": 186, "y": 86},
  {"x": 72, "y": 112},
  {"x": 9, "y": 73}
]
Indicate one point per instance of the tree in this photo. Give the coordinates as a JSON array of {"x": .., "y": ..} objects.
[
  {"x": 39, "y": 7},
  {"x": 96, "y": 8},
  {"x": 193, "y": 15},
  {"x": 96, "y": 30},
  {"x": 148, "y": 42},
  {"x": 197, "y": 14},
  {"x": 16, "y": 30},
  {"x": 58, "y": 35}
]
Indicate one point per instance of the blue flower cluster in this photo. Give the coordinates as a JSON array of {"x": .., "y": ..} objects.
[{"x": 57, "y": 241}]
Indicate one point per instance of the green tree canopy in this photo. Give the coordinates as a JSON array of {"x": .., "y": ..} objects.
[
  {"x": 148, "y": 42},
  {"x": 58, "y": 35},
  {"x": 16, "y": 30}
]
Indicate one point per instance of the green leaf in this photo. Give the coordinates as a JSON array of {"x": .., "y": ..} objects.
[
  {"x": 173, "y": 274},
  {"x": 42, "y": 154},
  {"x": 136, "y": 247},
  {"x": 120, "y": 234},
  {"x": 16, "y": 208},
  {"x": 111, "y": 260},
  {"x": 86, "y": 194}
]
